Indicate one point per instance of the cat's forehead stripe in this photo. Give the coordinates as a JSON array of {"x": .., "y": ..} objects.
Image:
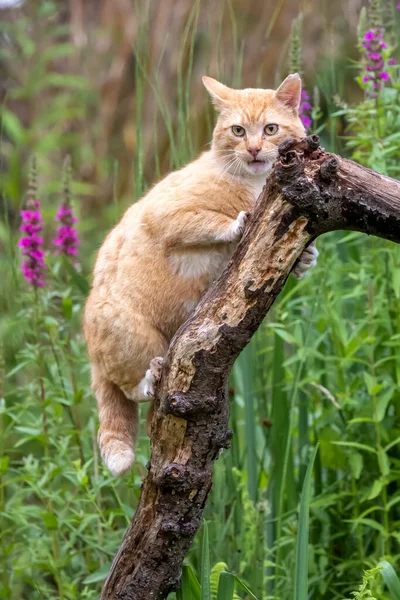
[{"x": 264, "y": 116}]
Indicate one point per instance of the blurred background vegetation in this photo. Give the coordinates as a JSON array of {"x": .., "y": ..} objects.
[{"x": 117, "y": 86}]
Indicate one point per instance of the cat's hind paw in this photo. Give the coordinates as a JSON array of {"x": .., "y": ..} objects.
[
  {"x": 307, "y": 260},
  {"x": 119, "y": 457}
]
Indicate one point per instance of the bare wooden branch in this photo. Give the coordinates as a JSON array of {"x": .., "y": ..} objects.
[{"x": 309, "y": 192}]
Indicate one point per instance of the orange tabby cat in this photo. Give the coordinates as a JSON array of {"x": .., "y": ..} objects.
[{"x": 170, "y": 246}]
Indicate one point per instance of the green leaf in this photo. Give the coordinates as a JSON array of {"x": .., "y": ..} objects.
[
  {"x": 214, "y": 577},
  {"x": 244, "y": 587},
  {"x": 352, "y": 347},
  {"x": 98, "y": 575},
  {"x": 56, "y": 51},
  {"x": 383, "y": 461},
  {"x": 370, "y": 523},
  {"x": 331, "y": 456},
  {"x": 371, "y": 383},
  {"x": 80, "y": 282},
  {"x": 246, "y": 367},
  {"x": 190, "y": 586},
  {"x": 226, "y": 586},
  {"x": 4, "y": 460},
  {"x": 64, "y": 80},
  {"x": 382, "y": 404},
  {"x": 356, "y": 445},
  {"x": 67, "y": 307},
  {"x": 356, "y": 464},
  {"x": 50, "y": 520},
  {"x": 128, "y": 510},
  {"x": 392, "y": 443},
  {"x": 286, "y": 336},
  {"x": 301, "y": 561},
  {"x": 376, "y": 489},
  {"x": 205, "y": 566},
  {"x": 12, "y": 125},
  {"x": 391, "y": 579}
]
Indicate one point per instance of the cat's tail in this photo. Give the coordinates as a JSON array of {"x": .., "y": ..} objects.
[{"x": 118, "y": 425}]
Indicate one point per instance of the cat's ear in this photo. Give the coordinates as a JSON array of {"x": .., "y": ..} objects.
[
  {"x": 220, "y": 93},
  {"x": 289, "y": 92}
]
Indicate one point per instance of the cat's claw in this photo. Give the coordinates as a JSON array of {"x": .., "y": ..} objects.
[
  {"x": 307, "y": 260},
  {"x": 239, "y": 225},
  {"x": 153, "y": 375}
]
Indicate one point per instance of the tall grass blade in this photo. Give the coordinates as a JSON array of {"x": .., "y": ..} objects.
[
  {"x": 190, "y": 586},
  {"x": 246, "y": 365},
  {"x": 226, "y": 586},
  {"x": 391, "y": 579},
  {"x": 301, "y": 562},
  {"x": 205, "y": 566},
  {"x": 244, "y": 587}
]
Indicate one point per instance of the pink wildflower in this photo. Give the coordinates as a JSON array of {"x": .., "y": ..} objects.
[
  {"x": 375, "y": 62},
  {"x": 33, "y": 265},
  {"x": 67, "y": 238},
  {"x": 304, "y": 109}
]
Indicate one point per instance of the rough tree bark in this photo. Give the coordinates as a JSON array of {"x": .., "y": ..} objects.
[{"x": 308, "y": 192}]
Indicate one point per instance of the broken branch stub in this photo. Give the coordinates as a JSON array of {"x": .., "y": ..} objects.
[{"x": 308, "y": 192}]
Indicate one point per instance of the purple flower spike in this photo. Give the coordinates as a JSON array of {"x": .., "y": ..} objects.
[
  {"x": 304, "y": 109},
  {"x": 376, "y": 56},
  {"x": 33, "y": 265},
  {"x": 67, "y": 240},
  {"x": 376, "y": 62}
]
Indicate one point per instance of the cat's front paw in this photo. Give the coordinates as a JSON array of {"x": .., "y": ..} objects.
[
  {"x": 239, "y": 225},
  {"x": 153, "y": 375},
  {"x": 307, "y": 260}
]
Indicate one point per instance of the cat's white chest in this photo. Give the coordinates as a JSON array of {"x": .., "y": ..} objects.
[
  {"x": 255, "y": 187},
  {"x": 258, "y": 189}
]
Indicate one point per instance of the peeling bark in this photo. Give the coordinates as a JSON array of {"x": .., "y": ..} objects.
[{"x": 308, "y": 192}]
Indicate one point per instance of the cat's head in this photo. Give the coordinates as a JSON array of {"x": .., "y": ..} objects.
[{"x": 252, "y": 123}]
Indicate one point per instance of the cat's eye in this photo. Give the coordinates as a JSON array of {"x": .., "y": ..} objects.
[
  {"x": 238, "y": 130},
  {"x": 271, "y": 129}
]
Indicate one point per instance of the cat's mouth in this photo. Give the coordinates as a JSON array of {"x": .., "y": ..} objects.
[{"x": 258, "y": 166}]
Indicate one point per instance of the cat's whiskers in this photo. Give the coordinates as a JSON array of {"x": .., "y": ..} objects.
[
  {"x": 226, "y": 161},
  {"x": 235, "y": 164},
  {"x": 225, "y": 170}
]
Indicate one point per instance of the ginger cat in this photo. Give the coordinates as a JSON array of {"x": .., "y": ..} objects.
[{"x": 169, "y": 247}]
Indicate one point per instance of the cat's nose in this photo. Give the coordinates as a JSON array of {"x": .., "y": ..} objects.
[{"x": 254, "y": 150}]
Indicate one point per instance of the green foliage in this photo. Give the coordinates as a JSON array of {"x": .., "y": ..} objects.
[
  {"x": 364, "y": 592},
  {"x": 323, "y": 369},
  {"x": 301, "y": 570},
  {"x": 391, "y": 579}
]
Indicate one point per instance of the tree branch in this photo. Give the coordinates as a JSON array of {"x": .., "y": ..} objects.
[{"x": 308, "y": 192}]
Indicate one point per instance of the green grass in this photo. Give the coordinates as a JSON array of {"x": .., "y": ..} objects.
[{"x": 323, "y": 370}]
